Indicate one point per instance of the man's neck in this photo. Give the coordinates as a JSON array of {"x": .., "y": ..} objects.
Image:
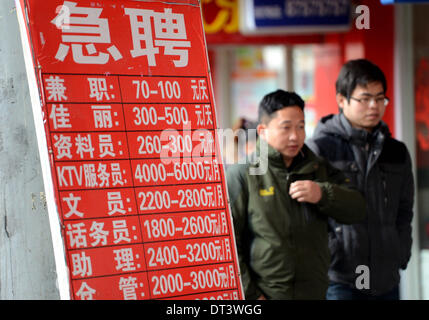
[
  {"x": 369, "y": 130},
  {"x": 287, "y": 161},
  {"x": 291, "y": 162}
]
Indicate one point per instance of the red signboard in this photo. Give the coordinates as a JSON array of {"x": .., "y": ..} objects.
[{"x": 129, "y": 119}]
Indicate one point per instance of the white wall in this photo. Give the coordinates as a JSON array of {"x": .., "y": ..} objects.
[{"x": 27, "y": 267}]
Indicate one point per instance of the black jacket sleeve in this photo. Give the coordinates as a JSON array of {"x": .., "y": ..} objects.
[
  {"x": 340, "y": 200},
  {"x": 405, "y": 213}
]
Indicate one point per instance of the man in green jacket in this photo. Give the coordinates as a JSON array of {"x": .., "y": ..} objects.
[{"x": 280, "y": 216}]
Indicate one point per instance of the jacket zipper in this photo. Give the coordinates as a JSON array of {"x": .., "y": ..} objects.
[
  {"x": 306, "y": 214},
  {"x": 385, "y": 190},
  {"x": 290, "y": 235}
]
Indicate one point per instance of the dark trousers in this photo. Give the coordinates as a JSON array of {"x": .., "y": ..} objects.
[{"x": 340, "y": 291}]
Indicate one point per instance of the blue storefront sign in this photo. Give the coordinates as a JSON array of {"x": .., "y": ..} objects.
[
  {"x": 403, "y": 1},
  {"x": 294, "y": 16}
]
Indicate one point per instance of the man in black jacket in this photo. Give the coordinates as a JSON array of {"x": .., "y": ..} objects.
[{"x": 366, "y": 257}]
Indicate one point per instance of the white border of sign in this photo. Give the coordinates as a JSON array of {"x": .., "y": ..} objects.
[
  {"x": 54, "y": 222},
  {"x": 221, "y": 154}
]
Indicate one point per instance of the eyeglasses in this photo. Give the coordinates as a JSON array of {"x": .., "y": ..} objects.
[{"x": 367, "y": 101}]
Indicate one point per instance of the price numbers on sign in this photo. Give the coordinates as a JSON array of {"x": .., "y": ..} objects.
[
  {"x": 184, "y": 226},
  {"x": 164, "y": 89},
  {"x": 171, "y": 144},
  {"x": 180, "y": 198},
  {"x": 184, "y": 253},
  {"x": 177, "y": 171},
  {"x": 188, "y": 280},
  {"x": 168, "y": 116},
  {"x": 219, "y": 295}
]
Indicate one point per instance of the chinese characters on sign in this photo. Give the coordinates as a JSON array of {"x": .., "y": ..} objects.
[{"x": 130, "y": 121}]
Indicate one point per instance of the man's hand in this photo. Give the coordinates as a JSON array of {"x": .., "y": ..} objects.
[
  {"x": 305, "y": 191},
  {"x": 262, "y": 297}
]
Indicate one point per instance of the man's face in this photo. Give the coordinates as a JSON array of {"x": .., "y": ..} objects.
[
  {"x": 366, "y": 113},
  {"x": 285, "y": 132}
]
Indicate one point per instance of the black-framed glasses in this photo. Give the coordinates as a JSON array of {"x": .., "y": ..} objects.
[{"x": 366, "y": 101}]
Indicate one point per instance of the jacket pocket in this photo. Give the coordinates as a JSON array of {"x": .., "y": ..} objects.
[
  {"x": 351, "y": 171},
  {"x": 336, "y": 248},
  {"x": 312, "y": 215},
  {"x": 391, "y": 181},
  {"x": 393, "y": 249}
]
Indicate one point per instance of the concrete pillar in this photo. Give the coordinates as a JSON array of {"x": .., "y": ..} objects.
[
  {"x": 27, "y": 266},
  {"x": 405, "y": 131}
]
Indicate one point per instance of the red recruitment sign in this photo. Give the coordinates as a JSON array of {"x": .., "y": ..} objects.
[{"x": 126, "y": 122}]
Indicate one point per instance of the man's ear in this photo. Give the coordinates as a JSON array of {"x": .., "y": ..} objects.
[
  {"x": 261, "y": 129},
  {"x": 341, "y": 100}
]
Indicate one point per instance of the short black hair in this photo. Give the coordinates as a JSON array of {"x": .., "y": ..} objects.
[
  {"x": 358, "y": 72},
  {"x": 276, "y": 101}
]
